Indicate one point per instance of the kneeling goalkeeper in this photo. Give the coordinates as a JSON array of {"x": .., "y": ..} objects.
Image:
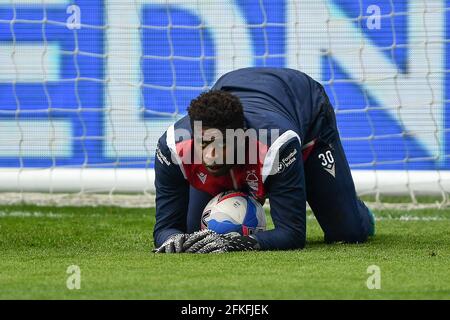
[{"x": 303, "y": 161}]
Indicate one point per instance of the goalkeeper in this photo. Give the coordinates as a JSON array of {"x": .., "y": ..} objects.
[{"x": 304, "y": 162}]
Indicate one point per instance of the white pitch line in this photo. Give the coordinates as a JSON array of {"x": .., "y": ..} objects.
[
  {"x": 406, "y": 218},
  {"x": 39, "y": 214},
  {"x": 30, "y": 214}
]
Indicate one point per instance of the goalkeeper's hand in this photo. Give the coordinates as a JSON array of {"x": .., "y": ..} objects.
[
  {"x": 208, "y": 241},
  {"x": 186, "y": 242},
  {"x": 174, "y": 244},
  {"x": 199, "y": 240},
  {"x": 216, "y": 243}
]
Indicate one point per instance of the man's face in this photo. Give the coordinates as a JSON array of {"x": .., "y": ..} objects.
[{"x": 213, "y": 150}]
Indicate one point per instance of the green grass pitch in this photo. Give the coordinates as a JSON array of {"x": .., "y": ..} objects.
[{"x": 112, "y": 248}]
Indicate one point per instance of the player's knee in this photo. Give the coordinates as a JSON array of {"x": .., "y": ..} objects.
[
  {"x": 355, "y": 230},
  {"x": 298, "y": 240},
  {"x": 350, "y": 236},
  {"x": 359, "y": 237},
  {"x": 289, "y": 240},
  {"x": 297, "y": 244}
]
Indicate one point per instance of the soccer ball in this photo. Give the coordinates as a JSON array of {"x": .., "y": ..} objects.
[{"x": 234, "y": 211}]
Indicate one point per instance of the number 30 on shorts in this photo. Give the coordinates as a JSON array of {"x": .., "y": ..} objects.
[{"x": 327, "y": 158}]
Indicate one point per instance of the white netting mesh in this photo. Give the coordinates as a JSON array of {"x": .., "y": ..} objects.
[{"x": 87, "y": 87}]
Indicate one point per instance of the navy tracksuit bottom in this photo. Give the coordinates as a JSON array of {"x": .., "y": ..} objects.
[{"x": 330, "y": 190}]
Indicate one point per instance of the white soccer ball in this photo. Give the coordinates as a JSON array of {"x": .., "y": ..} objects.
[{"x": 234, "y": 211}]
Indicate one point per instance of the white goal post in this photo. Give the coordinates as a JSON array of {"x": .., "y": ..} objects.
[
  {"x": 134, "y": 181},
  {"x": 87, "y": 87}
]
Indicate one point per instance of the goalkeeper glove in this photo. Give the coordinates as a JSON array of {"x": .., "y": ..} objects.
[
  {"x": 226, "y": 243},
  {"x": 208, "y": 241},
  {"x": 200, "y": 239},
  {"x": 184, "y": 241},
  {"x": 174, "y": 244}
]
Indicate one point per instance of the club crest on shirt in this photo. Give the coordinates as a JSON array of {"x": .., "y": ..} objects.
[{"x": 252, "y": 180}]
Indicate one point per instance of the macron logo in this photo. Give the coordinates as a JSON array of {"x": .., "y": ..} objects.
[
  {"x": 202, "y": 176},
  {"x": 331, "y": 170}
]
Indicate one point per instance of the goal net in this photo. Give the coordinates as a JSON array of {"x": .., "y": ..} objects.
[{"x": 88, "y": 86}]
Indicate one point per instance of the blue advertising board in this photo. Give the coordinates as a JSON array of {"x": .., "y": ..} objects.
[{"x": 100, "y": 94}]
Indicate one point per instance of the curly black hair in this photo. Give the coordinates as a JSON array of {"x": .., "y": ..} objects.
[{"x": 217, "y": 109}]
